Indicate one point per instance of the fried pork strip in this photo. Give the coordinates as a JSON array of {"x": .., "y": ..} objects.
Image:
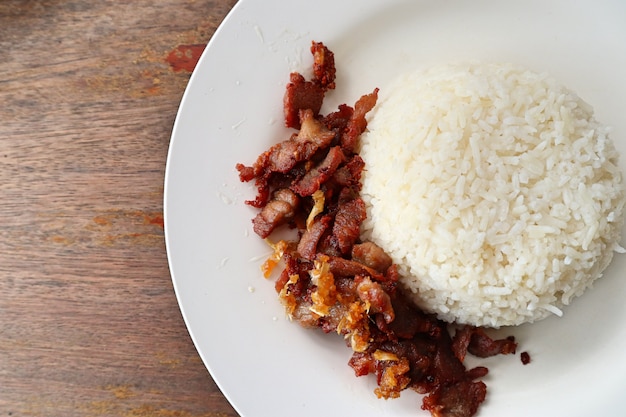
[{"x": 332, "y": 280}]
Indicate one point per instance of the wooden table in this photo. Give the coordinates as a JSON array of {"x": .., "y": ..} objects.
[{"x": 89, "y": 324}]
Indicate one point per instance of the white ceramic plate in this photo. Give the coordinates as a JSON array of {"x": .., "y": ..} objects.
[{"x": 232, "y": 110}]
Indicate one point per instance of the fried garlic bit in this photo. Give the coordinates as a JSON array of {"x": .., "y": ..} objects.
[
  {"x": 324, "y": 295},
  {"x": 318, "y": 207},
  {"x": 354, "y": 325},
  {"x": 381, "y": 355},
  {"x": 270, "y": 263},
  {"x": 287, "y": 298},
  {"x": 393, "y": 379}
]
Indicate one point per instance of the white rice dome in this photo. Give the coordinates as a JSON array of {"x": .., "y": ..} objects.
[{"x": 494, "y": 189}]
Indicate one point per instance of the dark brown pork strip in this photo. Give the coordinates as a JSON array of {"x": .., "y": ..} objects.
[
  {"x": 347, "y": 227},
  {"x": 323, "y": 66},
  {"x": 301, "y": 95},
  {"x": 313, "y": 180},
  {"x": 278, "y": 211}
]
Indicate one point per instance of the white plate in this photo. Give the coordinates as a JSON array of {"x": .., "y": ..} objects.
[{"x": 232, "y": 110}]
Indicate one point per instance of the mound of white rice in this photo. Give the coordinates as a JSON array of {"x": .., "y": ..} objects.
[{"x": 494, "y": 189}]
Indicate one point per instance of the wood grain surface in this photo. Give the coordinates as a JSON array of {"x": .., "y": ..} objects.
[{"x": 89, "y": 324}]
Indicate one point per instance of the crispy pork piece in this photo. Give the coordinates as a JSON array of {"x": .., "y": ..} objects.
[
  {"x": 483, "y": 346},
  {"x": 278, "y": 211},
  {"x": 348, "y": 268},
  {"x": 323, "y": 66},
  {"x": 375, "y": 296},
  {"x": 307, "y": 245},
  {"x": 357, "y": 122},
  {"x": 347, "y": 227},
  {"x": 322, "y": 172},
  {"x": 349, "y": 175},
  {"x": 301, "y": 95},
  {"x": 476, "y": 341},
  {"x": 338, "y": 120},
  {"x": 372, "y": 255},
  {"x": 457, "y": 400}
]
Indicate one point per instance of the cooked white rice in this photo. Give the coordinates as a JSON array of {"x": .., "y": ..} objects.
[{"x": 494, "y": 189}]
